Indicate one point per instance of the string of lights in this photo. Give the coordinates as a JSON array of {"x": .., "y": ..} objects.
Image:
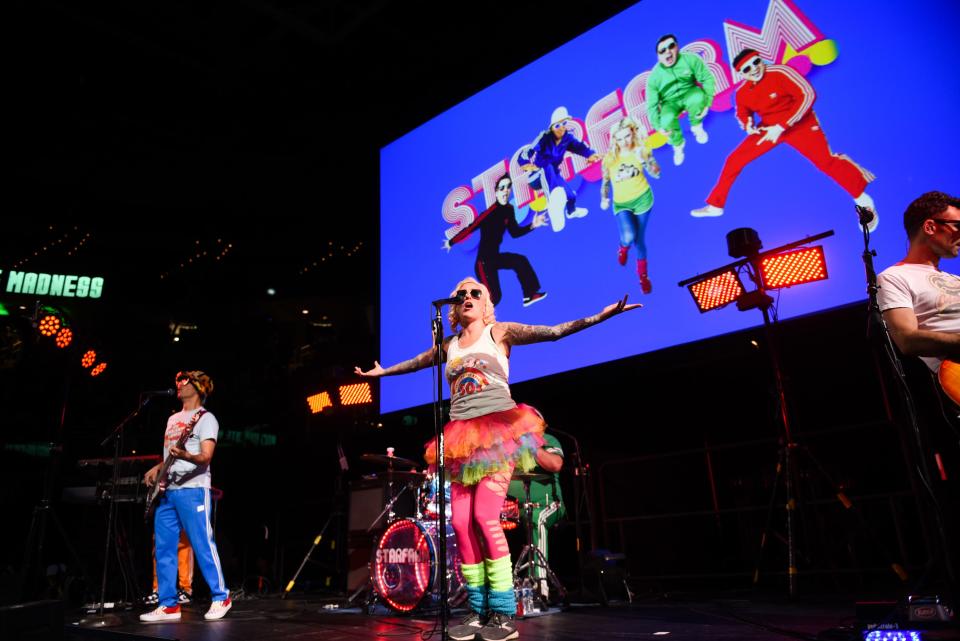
[
  {"x": 215, "y": 253},
  {"x": 72, "y": 240},
  {"x": 333, "y": 251}
]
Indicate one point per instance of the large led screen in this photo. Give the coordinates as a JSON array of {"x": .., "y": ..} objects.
[{"x": 844, "y": 98}]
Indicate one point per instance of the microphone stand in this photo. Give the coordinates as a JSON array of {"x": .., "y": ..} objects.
[
  {"x": 581, "y": 498},
  {"x": 878, "y": 333},
  {"x": 437, "y": 330},
  {"x": 101, "y": 620}
]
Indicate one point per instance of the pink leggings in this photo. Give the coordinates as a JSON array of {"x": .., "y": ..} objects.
[{"x": 476, "y": 518}]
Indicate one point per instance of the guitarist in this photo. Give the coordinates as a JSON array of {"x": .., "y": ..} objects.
[
  {"x": 185, "y": 500},
  {"x": 919, "y": 301}
]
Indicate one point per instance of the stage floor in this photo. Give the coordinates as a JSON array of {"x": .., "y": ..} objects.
[{"x": 302, "y": 619}]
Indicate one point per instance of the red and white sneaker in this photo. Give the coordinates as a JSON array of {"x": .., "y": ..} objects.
[
  {"x": 161, "y": 614},
  {"x": 218, "y": 609},
  {"x": 622, "y": 253}
]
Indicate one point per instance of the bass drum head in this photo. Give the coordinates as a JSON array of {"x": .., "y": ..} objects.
[{"x": 402, "y": 566}]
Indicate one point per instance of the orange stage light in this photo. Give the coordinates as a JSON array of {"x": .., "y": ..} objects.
[
  {"x": 356, "y": 394},
  {"x": 319, "y": 402}
]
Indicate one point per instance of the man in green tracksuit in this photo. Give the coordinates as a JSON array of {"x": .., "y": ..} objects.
[
  {"x": 547, "y": 495},
  {"x": 679, "y": 82}
]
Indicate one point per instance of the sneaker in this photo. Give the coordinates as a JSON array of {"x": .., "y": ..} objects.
[
  {"x": 622, "y": 253},
  {"x": 530, "y": 300},
  {"x": 499, "y": 627},
  {"x": 678, "y": 155},
  {"x": 700, "y": 134},
  {"x": 578, "y": 212},
  {"x": 467, "y": 629},
  {"x": 707, "y": 212},
  {"x": 218, "y": 609},
  {"x": 184, "y": 598},
  {"x": 161, "y": 614},
  {"x": 152, "y": 599}
]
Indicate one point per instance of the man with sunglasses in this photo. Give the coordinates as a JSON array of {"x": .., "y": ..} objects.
[
  {"x": 921, "y": 303},
  {"x": 493, "y": 223},
  {"x": 185, "y": 501},
  {"x": 542, "y": 160},
  {"x": 678, "y": 82},
  {"x": 774, "y": 106}
]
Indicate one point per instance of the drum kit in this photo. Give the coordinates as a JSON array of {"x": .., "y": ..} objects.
[{"x": 403, "y": 566}]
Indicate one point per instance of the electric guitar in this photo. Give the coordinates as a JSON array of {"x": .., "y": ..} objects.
[
  {"x": 161, "y": 483},
  {"x": 949, "y": 378}
]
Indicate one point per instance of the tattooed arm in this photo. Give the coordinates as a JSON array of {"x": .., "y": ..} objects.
[
  {"x": 520, "y": 334},
  {"x": 418, "y": 362}
]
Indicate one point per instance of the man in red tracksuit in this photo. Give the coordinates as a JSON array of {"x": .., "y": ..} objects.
[{"x": 775, "y": 106}]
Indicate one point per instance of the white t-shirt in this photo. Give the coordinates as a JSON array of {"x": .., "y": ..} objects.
[
  {"x": 933, "y": 295},
  {"x": 184, "y": 473}
]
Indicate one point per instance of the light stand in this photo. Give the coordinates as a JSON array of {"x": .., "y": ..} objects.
[{"x": 746, "y": 243}]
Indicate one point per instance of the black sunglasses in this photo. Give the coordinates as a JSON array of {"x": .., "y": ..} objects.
[
  {"x": 955, "y": 224},
  {"x": 666, "y": 48},
  {"x": 475, "y": 294},
  {"x": 183, "y": 377}
]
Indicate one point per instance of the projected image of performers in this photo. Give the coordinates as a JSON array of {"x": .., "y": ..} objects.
[
  {"x": 623, "y": 168},
  {"x": 493, "y": 223},
  {"x": 543, "y": 160},
  {"x": 782, "y": 101},
  {"x": 679, "y": 82},
  {"x": 729, "y": 83}
]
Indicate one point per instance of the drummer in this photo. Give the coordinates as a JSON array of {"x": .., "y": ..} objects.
[{"x": 548, "y": 500}]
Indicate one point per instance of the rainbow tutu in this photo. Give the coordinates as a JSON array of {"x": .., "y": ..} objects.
[{"x": 478, "y": 447}]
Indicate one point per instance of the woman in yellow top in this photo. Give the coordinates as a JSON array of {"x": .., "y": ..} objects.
[{"x": 623, "y": 168}]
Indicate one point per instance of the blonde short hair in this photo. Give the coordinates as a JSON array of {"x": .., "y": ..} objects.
[{"x": 453, "y": 316}]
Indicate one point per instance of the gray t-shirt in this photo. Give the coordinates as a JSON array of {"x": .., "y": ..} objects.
[
  {"x": 933, "y": 295},
  {"x": 183, "y": 473}
]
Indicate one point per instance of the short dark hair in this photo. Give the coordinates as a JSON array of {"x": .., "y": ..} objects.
[
  {"x": 666, "y": 37},
  {"x": 501, "y": 179},
  {"x": 743, "y": 55},
  {"x": 928, "y": 205}
]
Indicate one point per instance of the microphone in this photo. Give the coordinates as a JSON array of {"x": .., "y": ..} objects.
[
  {"x": 866, "y": 214},
  {"x": 160, "y": 392},
  {"x": 456, "y": 300}
]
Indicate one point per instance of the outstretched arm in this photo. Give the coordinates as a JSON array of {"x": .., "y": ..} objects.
[
  {"x": 418, "y": 362},
  {"x": 520, "y": 334}
]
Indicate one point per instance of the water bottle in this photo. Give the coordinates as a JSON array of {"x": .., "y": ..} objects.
[{"x": 526, "y": 596}]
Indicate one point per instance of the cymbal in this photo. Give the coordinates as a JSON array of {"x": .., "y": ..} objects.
[
  {"x": 529, "y": 476},
  {"x": 387, "y": 460},
  {"x": 399, "y": 475}
]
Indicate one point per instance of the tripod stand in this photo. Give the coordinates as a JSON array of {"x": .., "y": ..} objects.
[
  {"x": 531, "y": 558},
  {"x": 789, "y": 453},
  {"x": 42, "y": 513}
]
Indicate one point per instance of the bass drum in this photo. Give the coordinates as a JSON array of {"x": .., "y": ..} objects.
[{"x": 404, "y": 565}]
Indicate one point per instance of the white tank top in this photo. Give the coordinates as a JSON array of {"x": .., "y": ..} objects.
[{"x": 479, "y": 377}]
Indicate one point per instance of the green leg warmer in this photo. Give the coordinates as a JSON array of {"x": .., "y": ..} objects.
[
  {"x": 500, "y": 578},
  {"x": 476, "y": 577}
]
